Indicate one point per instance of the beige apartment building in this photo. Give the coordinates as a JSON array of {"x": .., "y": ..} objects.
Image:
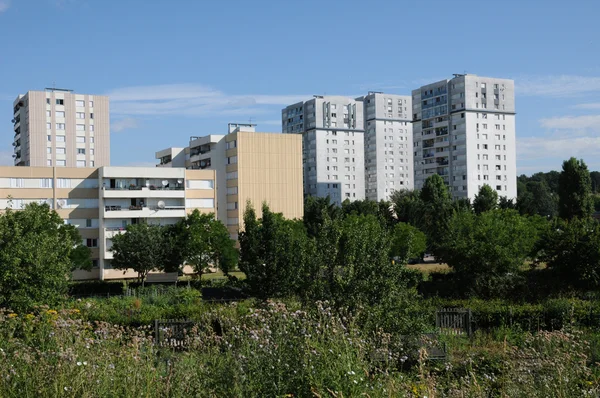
[
  {"x": 250, "y": 167},
  {"x": 60, "y": 128},
  {"x": 101, "y": 202}
]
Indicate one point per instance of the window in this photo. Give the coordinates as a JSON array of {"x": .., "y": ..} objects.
[
  {"x": 497, "y": 127},
  {"x": 59, "y": 114},
  {"x": 233, "y": 221},
  {"x": 232, "y": 144},
  {"x": 63, "y": 183},
  {"x": 91, "y": 127},
  {"x": 88, "y": 223},
  {"x": 49, "y": 138},
  {"x": 81, "y": 151},
  {"x": 92, "y": 163},
  {"x": 60, "y": 102},
  {"x": 49, "y": 162},
  {"x": 498, "y": 187},
  {"x": 232, "y": 191},
  {"x": 48, "y": 113},
  {"x": 80, "y": 127},
  {"x": 61, "y": 162},
  {"x": 60, "y": 151},
  {"x": 60, "y": 126},
  {"x": 482, "y": 85},
  {"x": 485, "y": 146},
  {"x": 48, "y": 150},
  {"x": 91, "y": 115},
  {"x": 91, "y": 104},
  {"x": 232, "y": 206},
  {"x": 48, "y": 126},
  {"x": 91, "y": 242},
  {"x": 80, "y": 139},
  {"x": 91, "y": 140},
  {"x": 80, "y": 115},
  {"x": 79, "y": 103},
  {"x": 92, "y": 152},
  {"x": 232, "y": 160},
  {"x": 60, "y": 138},
  {"x": 81, "y": 163},
  {"x": 16, "y": 183},
  {"x": 48, "y": 101}
]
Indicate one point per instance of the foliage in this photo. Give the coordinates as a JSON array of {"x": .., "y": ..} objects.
[
  {"x": 436, "y": 212},
  {"x": 143, "y": 248},
  {"x": 486, "y": 245},
  {"x": 574, "y": 190},
  {"x": 485, "y": 200},
  {"x": 37, "y": 254},
  {"x": 407, "y": 205},
  {"x": 408, "y": 243},
  {"x": 505, "y": 203},
  {"x": 206, "y": 242},
  {"x": 316, "y": 210},
  {"x": 536, "y": 198},
  {"x": 382, "y": 210},
  {"x": 572, "y": 248},
  {"x": 273, "y": 249}
]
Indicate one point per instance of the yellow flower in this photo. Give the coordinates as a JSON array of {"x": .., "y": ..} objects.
[
  {"x": 75, "y": 311},
  {"x": 12, "y": 315},
  {"x": 29, "y": 316},
  {"x": 52, "y": 312}
]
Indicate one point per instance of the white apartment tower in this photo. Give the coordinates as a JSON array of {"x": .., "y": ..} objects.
[
  {"x": 332, "y": 129},
  {"x": 388, "y": 144},
  {"x": 58, "y": 127},
  {"x": 464, "y": 130}
]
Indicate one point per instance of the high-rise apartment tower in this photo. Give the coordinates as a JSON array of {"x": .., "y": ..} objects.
[
  {"x": 58, "y": 127},
  {"x": 464, "y": 130}
]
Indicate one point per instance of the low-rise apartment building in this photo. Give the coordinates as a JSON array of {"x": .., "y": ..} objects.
[
  {"x": 250, "y": 167},
  {"x": 101, "y": 202}
]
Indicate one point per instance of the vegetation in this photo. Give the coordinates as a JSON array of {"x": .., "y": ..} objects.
[{"x": 37, "y": 254}]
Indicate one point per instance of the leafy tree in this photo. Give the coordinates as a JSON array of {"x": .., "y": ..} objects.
[
  {"x": 408, "y": 243},
  {"x": 436, "y": 211},
  {"x": 316, "y": 210},
  {"x": 37, "y": 254},
  {"x": 485, "y": 200},
  {"x": 595, "y": 177},
  {"x": 143, "y": 248},
  {"x": 382, "y": 210},
  {"x": 574, "y": 190},
  {"x": 273, "y": 250},
  {"x": 572, "y": 248},
  {"x": 495, "y": 242},
  {"x": 407, "y": 205},
  {"x": 206, "y": 242},
  {"x": 505, "y": 203}
]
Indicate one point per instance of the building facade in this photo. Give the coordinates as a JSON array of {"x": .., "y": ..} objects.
[
  {"x": 464, "y": 130},
  {"x": 101, "y": 202},
  {"x": 388, "y": 144},
  {"x": 250, "y": 167},
  {"x": 333, "y": 154},
  {"x": 60, "y": 128}
]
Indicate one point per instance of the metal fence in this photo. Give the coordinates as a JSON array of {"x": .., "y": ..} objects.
[{"x": 456, "y": 321}]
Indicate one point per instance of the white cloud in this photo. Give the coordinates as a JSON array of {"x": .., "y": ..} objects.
[
  {"x": 562, "y": 147},
  {"x": 4, "y": 4},
  {"x": 192, "y": 100},
  {"x": 124, "y": 124},
  {"x": 557, "y": 86},
  {"x": 592, "y": 106},
  {"x": 572, "y": 122}
]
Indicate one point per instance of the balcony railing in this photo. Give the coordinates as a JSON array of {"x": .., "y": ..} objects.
[{"x": 139, "y": 188}]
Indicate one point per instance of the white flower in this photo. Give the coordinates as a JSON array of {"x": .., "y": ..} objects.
[
  {"x": 84, "y": 363},
  {"x": 79, "y": 363}
]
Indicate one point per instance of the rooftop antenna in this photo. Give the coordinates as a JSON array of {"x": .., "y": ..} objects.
[{"x": 249, "y": 120}]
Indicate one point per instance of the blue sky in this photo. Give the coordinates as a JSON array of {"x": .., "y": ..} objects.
[{"x": 181, "y": 67}]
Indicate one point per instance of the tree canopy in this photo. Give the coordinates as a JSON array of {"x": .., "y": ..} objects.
[{"x": 574, "y": 190}]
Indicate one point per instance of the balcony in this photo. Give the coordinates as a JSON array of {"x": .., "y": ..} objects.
[
  {"x": 144, "y": 192},
  {"x": 144, "y": 212}
]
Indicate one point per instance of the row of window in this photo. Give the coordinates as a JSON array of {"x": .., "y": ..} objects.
[
  {"x": 78, "y": 103},
  {"x": 62, "y": 151},
  {"x": 63, "y": 163},
  {"x": 61, "y": 114},
  {"x": 78, "y": 139},
  {"x": 47, "y": 183},
  {"x": 62, "y": 126}
]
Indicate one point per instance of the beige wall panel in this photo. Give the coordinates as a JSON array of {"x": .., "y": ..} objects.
[
  {"x": 80, "y": 275},
  {"x": 232, "y": 198},
  {"x": 200, "y": 193},
  {"x": 27, "y": 193},
  {"x": 78, "y": 213},
  {"x": 77, "y": 172},
  {"x": 200, "y": 174},
  {"x": 89, "y": 233},
  {"x": 231, "y": 167},
  {"x": 206, "y": 211},
  {"x": 77, "y": 193},
  {"x": 26, "y": 172},
  {"x": 231, "y": 152},
  {"x": 232, "y": 183}
]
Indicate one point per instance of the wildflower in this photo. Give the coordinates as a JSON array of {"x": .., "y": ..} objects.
[
  {"x": 84, "y": 363},
  {"x": 12, "y": 315},
  {"x": 67, "y": 388},
  {"x": 79, "y": 363},
  {"x": 51, "y": 312}
]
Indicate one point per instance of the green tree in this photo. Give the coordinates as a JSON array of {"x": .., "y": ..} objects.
[
  {"x": 436, "y": 211},
  {"x": 505, "y": 203},
  {"x": 143, "y": 248},
  {"x": 574, "y": 190},
  {"x": 492, "y": 243},
  {"x": 408, "y": 243},
  {"x": 37, "y": 254},
  {"x": 273, "y": 252},
  {"x": 572, "y": 248},
  {"x": 206, "y": 242},
  {"x": 407, "y": 205},
  {"x": 485, "y": 200},
  {"x": 316, "y": 209}
]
